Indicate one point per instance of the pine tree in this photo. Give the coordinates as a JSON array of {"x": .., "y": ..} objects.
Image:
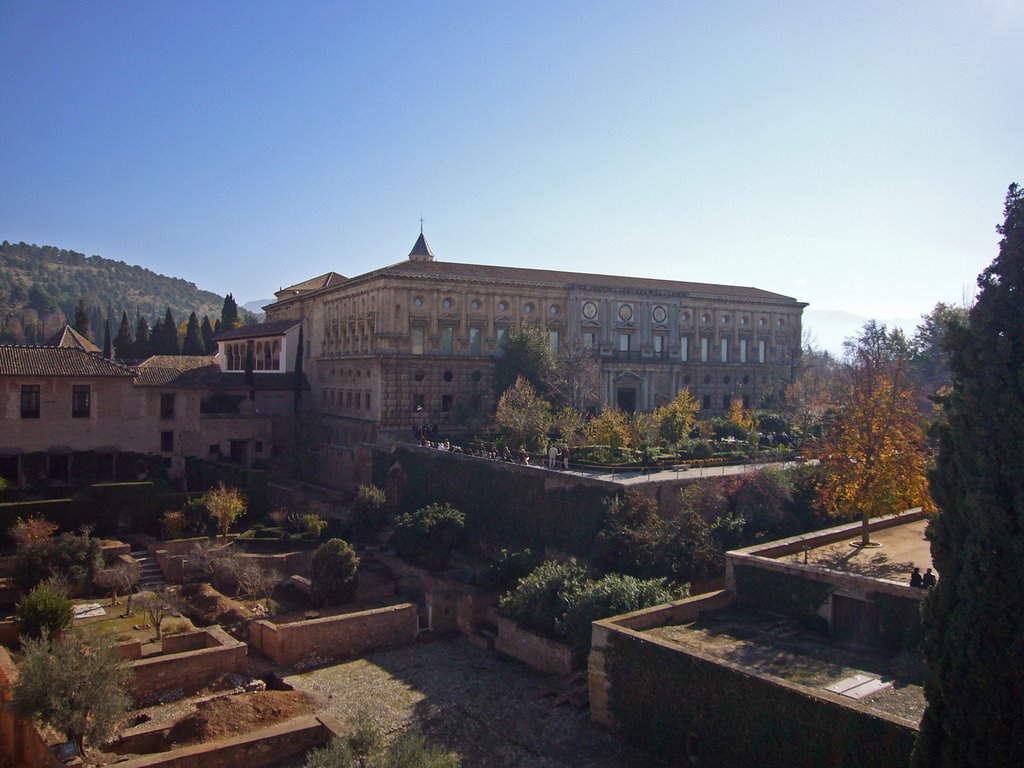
[
  {"x": 193, "y": 343},
  {"x": 229, "y": 319},
  {"x": 81, "y": 323},
  {"x": 143, "y": 342},
  {"x": 974, "y": 617},
  {"x": 167, "y": 342},
  {"x": 209, "y": 345},
  {"x": 123, "y": 345},
  {"x": 108, "y": 352}
]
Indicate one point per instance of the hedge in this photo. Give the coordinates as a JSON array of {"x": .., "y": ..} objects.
[{"x": 668, "y": 702}]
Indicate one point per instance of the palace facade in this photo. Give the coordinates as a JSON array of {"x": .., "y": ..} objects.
[{"x": 415, "y": 342}]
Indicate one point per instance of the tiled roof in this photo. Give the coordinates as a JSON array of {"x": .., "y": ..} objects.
[
  {"x": 314, "y": 283},
  {"x": 177, "y": 371},
  {"x": 179, "y": 362},
  {"x": 69, "y": 337},
  {"x": 274, "y": 328},
  {"x": 56, "y": 361},
  {"x": 420, "y": 249}
]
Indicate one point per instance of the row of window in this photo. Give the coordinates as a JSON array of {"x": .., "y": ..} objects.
[
  {"x": 81, "y": 402},
  {"x": 345, "y": 399},
  {"x": 447, "y": 345},
  {"x": 266, "y": 356}
]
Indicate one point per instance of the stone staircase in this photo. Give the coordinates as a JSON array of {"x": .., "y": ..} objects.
[{"x": 152, "y": 578}]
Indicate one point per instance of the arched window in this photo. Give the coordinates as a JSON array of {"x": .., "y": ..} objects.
[
  {"x": 266, "y": 356},
  {"x": 277, "y": 356}
]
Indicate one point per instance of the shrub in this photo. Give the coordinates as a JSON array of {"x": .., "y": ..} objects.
[
  {"x": 33, "y": 530},
  {"x": 44, "y": 610},
  {"x": 369, "y": 514},
  {"x": 77, "y": 557},
  {"x": 332, "y": 574},
  {"x": 428, "y": 536},
  {"x": 173, "y": 524},
  {"x": 505, "y": 571},
  {"x": 225, "y": 505},
  {"x": 313, "y": 524},
  {"x": 542, "y": 598}
]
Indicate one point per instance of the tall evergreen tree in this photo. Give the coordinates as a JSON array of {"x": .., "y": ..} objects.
[
  {"x": 209, "y": 345},
  {"x": 123, "y": 344},
  {"x": 229, "y": 319},
  {"x": 108, "y": 351},
  {"x": 974, "y": 617},
  {"x": 81, "y": 323},
  {"x": 143, "y": 343},
  {"x": 167, "y": 343},
  {"x": 193, "y": 342}
]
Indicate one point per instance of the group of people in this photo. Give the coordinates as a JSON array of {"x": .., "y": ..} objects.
[
  {"x": 922, "y": 582},
  {"x": 557, "y": 457}
]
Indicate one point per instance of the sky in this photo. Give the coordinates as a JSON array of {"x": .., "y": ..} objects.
[{"x": 852, "y": 155}]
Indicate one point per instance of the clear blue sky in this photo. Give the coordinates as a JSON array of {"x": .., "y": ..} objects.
[{"x": 853, "y": 155}]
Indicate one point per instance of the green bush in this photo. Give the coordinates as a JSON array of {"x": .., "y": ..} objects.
[
  {"x": 505, "y": 571},
  {"x": 542, "y": 599},
  {"x": 428, "y": 536},
  {"x": 45, "y": 609},
  {"x": 369, "y": 511},
  {"x": 76, "y": 557},
  {"x": 332, "y": 574}
]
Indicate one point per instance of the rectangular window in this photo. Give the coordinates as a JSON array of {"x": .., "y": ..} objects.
[
  {"x": 624, "y": 342},
  {"x": 684, "y": 348},
  {"x": 725, "y": 350},
  {"x": 743, "y": 350},
  {"x": 474, "y": 341},
  {"x": 447, "y": 335},
  {"x": 726, "y": 402},
  {"x": 30, "y": 401},
  {"x": 761, "y": 351},
  {"x": 166, "y": 442},
  {"x": 553, "y": 340},
  {"x": 446, "y": 403},
  {"x": 706, "y": 402},
  {"x": 746, "y": 401},
  {"x": 501, "y": 340},
  {"x": 703, "y": 350},
  {"x": 659, "y": 344},
  {"x": 418, "y": 402},
  {"x": 417, "y": 341},
  {"x": 166, "y": 405},
  {"x": 80, "y": 396},
  {"x": 588, "y": 340}
]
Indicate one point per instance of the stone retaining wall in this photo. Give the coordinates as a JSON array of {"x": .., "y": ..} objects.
[
  {"x": 20, "y": 743},
  {"x": 335, "y": 636},
  {"x": 532, "y": 649}
]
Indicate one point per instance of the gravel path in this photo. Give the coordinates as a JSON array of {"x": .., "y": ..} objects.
[{"x": 489, "y": 709}]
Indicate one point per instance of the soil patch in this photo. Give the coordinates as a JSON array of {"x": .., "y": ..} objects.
[
  {"x": 204, "y": 605},
  {"x": 230, "y": 715}
]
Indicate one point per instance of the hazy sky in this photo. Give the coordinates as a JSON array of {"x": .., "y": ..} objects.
[{"x": 853, "y": 155}]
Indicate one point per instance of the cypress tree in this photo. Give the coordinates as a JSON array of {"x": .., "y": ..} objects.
[
  {"x": 974, "y": 617},
  {"x": 209, "y": 345},
  {"x": 143, "y": 344},
  {"x": 107, "y": 350},
  {"x": 167, "y": 342},
  {"x": 193, "y": 343},
  {"x": 123, "y": 345},
  {"x": 229, "y": 319},
  {"x": 81, "y": 323}
]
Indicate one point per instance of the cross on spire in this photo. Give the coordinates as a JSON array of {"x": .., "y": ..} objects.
[{"x": 421, "y": 223}]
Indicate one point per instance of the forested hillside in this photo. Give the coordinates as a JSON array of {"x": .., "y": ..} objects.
[{"x": 41, "y": 287}]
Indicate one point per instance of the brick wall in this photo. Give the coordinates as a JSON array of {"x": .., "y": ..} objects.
[
  {"x": 188, "y": 670},
  {"x": 532, "y": 649},
  {"x": 335, "y": 636},
  {"x": 20, "y": 743}
]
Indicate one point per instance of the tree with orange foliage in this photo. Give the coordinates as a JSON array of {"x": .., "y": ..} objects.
[{"x": 874, "y": 453}]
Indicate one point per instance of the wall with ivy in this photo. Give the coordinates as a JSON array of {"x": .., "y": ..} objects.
[
  {"x": 799, "y": 598},
  {"x": 505, "y": 504},
  {"x": 674, "y": 704}
]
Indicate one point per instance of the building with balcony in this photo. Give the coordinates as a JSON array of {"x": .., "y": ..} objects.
[{"x": 415, "y": 342}]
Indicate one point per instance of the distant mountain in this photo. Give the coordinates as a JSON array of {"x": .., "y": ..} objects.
[
  {"x": 829, "y": 328},
  {"x": 256, "y": 307},
  {"x": 40, "y": 287}
]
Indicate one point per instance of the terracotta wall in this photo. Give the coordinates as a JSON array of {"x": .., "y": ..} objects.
[
  {"x": 335, "y": 636},
  {"x": 532, "y": 649},
  {"x": 20, "y": 743},
  {"x": 188, "y": 670}
]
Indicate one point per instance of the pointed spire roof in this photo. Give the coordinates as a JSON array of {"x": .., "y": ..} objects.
[
  {"x": 421, "y": 251},
  {"x": 72, "y": 339}
]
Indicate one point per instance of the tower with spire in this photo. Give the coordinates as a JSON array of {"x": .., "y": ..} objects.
[{"x": 421, "y": 250}]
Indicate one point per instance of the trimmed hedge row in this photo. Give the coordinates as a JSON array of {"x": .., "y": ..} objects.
[
  {"x": 675, "y": 705},
  {"x": 502, "y": 504}
]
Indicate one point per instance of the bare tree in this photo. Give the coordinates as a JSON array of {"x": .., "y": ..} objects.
[
  {"x": 123, "y": 576},
  {"x": 256, "y": 581},
  {"x": 156, "y": 605},
  {"x": 575, "y": 377}
]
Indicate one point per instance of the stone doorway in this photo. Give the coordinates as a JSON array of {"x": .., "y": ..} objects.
[{"x": 625, "y": 399}]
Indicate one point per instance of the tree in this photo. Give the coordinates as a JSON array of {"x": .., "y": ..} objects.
[
  {"x": 808, "y": 396},
  {"x": 206, "y": 331},
  {"x": 363, "y": 747},
  {"x": 368, "y": 513},
  {"x": 43, "y": 611},
  {"x": 123, "y": 344},
  {"x": 675, "y": 420},
  {"x": 428, "y": 535},
  {"x": 229, "y": 319},
  {"x": 225, "y": 505},
  {"x": 255, "y": 580},
  {"x": 575, "y": 380},
  {"x": 108, "y": 349},
  {"x": 75, "y": 684},
  {"x": 974, "y": 617},
  {"x": 193, "y": 343},
  {"x": 522, "y": 415},
  {"x": 333, "y": 573},
  {"x": 81, "y": 323},
  {"x": 526, "y": 353},
  {"x": 874, "y": 453},
  {"x": 32, "y": 530},
  {"x": 929, "y": 360},
  {"x": 166, "y": 342},
  {"x": 143, "y": 343},
  {"x": 609, "y": 428},
  {"x": 156, "y": 605},
  {"x": 123, "y": 576}
]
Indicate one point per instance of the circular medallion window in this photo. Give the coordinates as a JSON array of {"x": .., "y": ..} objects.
[
  {"x": 707, "y": 379},
  {"x": 418, "y": 301},
  {"x": 746, "y": 379},
  {"x": 704, "y": 318},
  {"x": 743, "y": 321},
  {"x": 589, "y": 310},
  {"x": 528, "y": 308},
  {"x": 659, "y": 314},
  {"x": 725, "y": 318},
  {"x": 447, "y": 376},
  {"x": 625, "y": 312},
  {"x": 553, "y": 309},
  {"x": 502, "y": 307},
  {"x": 685, "y": 317},
  {"x": 447, "y": 303},
  {"x": 475, "y": 305},
  {"x": 418, "y": 376}
]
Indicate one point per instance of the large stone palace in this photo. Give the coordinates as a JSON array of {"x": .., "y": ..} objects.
[{"x": 415, "y": 342}]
